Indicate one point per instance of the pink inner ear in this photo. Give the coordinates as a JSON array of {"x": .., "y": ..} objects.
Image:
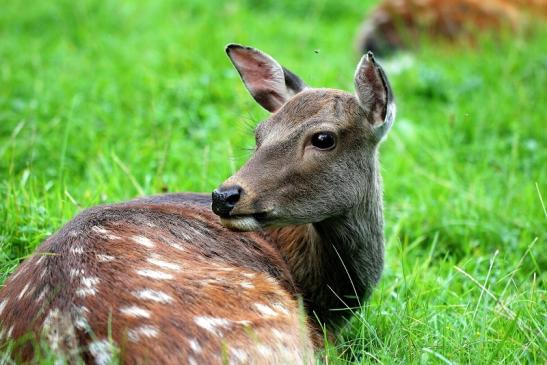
[
  {"x": 371, "y": 91},
  {"x": 262, "y": 76}
]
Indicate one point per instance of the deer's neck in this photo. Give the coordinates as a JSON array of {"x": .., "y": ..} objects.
[{"x": 338, "y": 261}]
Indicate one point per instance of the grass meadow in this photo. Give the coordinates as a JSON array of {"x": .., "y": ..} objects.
[{"x": 103, "y": 101}]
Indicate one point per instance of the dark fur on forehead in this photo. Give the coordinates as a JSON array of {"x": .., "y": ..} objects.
[{"x": 316, "y": 102}]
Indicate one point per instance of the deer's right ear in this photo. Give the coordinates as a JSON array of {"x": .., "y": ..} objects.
[
  {"x": 270, "y": 84},
  {"x": 375, "y": 95}
]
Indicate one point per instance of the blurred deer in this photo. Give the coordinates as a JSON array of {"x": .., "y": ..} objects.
[
  {"x": 398, "y": 24},
  {"x": 163, "y": 280}
]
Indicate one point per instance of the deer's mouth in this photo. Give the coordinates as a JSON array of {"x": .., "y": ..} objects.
[{"x": 245, "y": 222}]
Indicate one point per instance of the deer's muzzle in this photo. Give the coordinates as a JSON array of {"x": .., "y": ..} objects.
[{"x": 225, "y": 198}]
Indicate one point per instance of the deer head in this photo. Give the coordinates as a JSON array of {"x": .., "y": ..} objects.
[{"x": 314, "y": 154}]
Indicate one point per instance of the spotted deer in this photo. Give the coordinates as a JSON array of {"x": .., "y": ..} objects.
[
  {"x": 398, "y": 24},
  {"x": 250, "y": 275}
]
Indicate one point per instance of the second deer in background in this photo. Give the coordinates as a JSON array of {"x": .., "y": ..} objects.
[{"x": 399, "y": 24}]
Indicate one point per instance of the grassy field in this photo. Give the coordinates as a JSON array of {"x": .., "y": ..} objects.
[{"x": 102, "y": 101}]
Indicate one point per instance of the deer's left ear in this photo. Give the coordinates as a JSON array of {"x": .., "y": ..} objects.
[
  {"x": 270, "y": 84},
  {"x": 375, "y": 95}
]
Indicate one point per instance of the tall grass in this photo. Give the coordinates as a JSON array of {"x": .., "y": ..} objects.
[{"x": 101, "y": 101}]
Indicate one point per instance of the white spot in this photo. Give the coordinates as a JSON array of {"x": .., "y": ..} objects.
[
  {"x": 104, "y": 232},
  {"x": 176, "y": 246},
  {"x": 99, "y": 229},
  {"x": 10, "y": 332},
  {"x": 264, "y": 350},
  {"x": 42, "y": 295},
  {"x": 17, "y": 273},
  {"x": 3, "y": 304},
  {"x": 89, "y": 281},
  {"x": 217, "y": 280},
  {"x": 155, "y": 274},
  {"x": 84, "y": 292},
  {"x": 280, "y": 308},
  {"x": 164, "y": 264},
  {"x": 194, "y": 345},
  {"x": 208, "y": 281},
  {"x": 265, "y": 310},
  {"x": 247, "y": 285},
  {"x": 81, "y": 323},
  {"x": 249, "y": 275},
  {"x": 195, "y": 233},
  {"x": 39, "y": 260},
  {"x": 76, "y": 250},
  {"x": 192, "y": 361},
  {"x": 226, "y": 269},
  {"x": 88, "y": 286},
  {"x": 23, "y": 291},
  {"x": 76, "y": 272},
  {"x": 186, "y": 237},
  {"x": 104, "y": 258},
  {"x": 144, "y": 241},
  {"x": 145, "y": 331},
  {"x": 153, "y": 295},
  {"x": 101, "y": 351},
  {"x": 43, "y": 273},
  {"x": 279, "y": 335},
  {"x": 80, "y": 320},
  {"x": 135, "y": 311},
  {"x": 73, "y": 233},
  {"x": 53, "y": 314},
  {"x": 239, "y": 355},
  {"x": 212, "y": 324}
]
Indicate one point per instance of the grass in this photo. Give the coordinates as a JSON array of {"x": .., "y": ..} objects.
[{"x": 102, "y": 101}]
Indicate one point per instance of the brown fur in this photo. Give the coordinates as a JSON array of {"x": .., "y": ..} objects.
[
  {"x": 396, "y": 24},
  {"x": 165, "y": 282},
  {"x": 212, "y": 265}
]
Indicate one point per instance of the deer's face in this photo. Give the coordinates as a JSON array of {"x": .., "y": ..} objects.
[{"x": 315, "y": 152}]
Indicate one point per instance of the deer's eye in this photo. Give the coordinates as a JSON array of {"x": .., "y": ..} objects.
[{"x": 323, "y": 140}]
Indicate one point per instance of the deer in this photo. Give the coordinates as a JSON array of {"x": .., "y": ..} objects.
[
  {"x": 398, "y": 25},
  {"x": 253, "y": 273}
]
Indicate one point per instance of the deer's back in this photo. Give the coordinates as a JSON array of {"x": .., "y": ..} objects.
[{"x": 165, "y": 280}]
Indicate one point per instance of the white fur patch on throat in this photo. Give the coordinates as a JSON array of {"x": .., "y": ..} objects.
[{"x": 241, "y": 223}]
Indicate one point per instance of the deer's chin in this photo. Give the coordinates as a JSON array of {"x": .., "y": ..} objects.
[{"x": 246, "y": 223}]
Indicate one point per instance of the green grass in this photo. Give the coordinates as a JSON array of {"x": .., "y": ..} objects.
[{"x": 101, "y": 101}]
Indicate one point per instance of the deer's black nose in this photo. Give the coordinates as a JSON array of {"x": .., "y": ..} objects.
[{"x": 225, "y": 198}]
